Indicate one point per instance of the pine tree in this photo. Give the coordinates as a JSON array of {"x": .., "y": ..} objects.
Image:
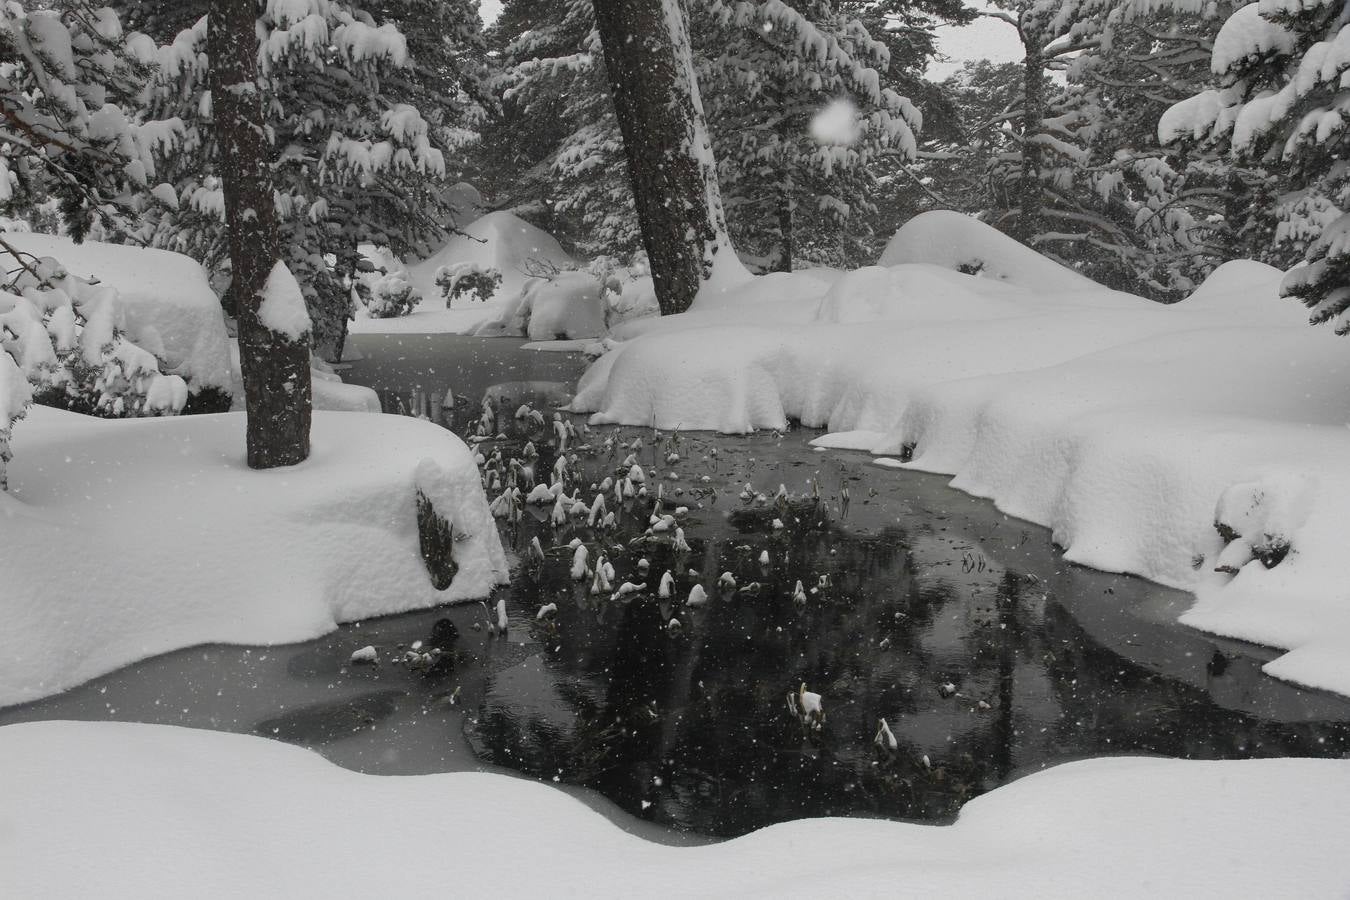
[
  {"x": 556, "y": 155},
  {"x": 275, "y": 366},
  {"x": 1280, "y": 100},
  {"x": 775, "y": 72},
  {"x": 1051, "y": 31},
  {"x": 71, "y": 81},
  {"x": 71, "y": 123},
  {"x": 353, "y": 158},
  {"x": 670, "y": 159},
  {"x": 553, "y": 153}
]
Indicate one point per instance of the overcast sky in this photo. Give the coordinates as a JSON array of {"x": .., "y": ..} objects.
[{"x": 986, "y": 39}]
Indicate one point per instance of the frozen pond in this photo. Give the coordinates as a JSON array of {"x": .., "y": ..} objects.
[{"x": 986, "y": 654}]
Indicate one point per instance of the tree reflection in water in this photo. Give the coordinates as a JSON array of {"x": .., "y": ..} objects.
[{"x": 977, "y": 684}]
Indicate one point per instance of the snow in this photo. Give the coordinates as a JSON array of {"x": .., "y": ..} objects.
[
  {"x": 15, "y": 391},
  {"x": 497, "y": 240},
  {"x": 164, "y": 301},
  {"x": 1121, "y": 424},
  {"x": 329, "y": 392},
  {"x": 122, "y": 539},
  {"x": 836, "y": 123},
  {"x": 566, "y": 306},
  {"x": 956, "y": 241},
  {"x": 1246, "y": 34},
  {"x": 118, "y": 810},
  {"x": 282, "y": 310}
]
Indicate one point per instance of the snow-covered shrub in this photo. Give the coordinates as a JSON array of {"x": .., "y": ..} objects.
[
  {"x": 15, "y": 395},
  {"x": 627, "y": 291},
  {"x": 61, "y": 333},
  {"x": 467, "y": 279},
  {"x": 391, "y": 296},
  {"x": 566, "y": 305}
]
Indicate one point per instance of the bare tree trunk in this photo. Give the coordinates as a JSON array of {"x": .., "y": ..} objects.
[
  {"x": 670, "y": 160},
  {"x": 1031, "y": 200},
  {"x": 277, "y": 390}
]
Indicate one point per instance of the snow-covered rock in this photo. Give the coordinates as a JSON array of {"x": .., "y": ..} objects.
[{"x": 123, "y": 539}]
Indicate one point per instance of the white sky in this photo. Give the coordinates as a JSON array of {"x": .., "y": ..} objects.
[{"x": 985, "y": 39}]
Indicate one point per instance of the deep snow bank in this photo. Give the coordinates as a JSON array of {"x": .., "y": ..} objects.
[
  {"x": 121, "y": 810},
  {"x": 165, "y": 303},
  {"x": 123, "y": 539},
  {"x": 1127, "y": 427}
]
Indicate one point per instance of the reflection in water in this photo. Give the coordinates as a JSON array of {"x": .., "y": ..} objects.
[{"x": 680, "y": 714}]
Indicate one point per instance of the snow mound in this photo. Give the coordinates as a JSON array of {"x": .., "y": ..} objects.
[
  {"x": 906, "y": 291},
  {"x": 497, "y": 240},
  {"x": 236, "y": 815},
  {"x": 123, "y": 539},
  {"x": 1119, "y": 423},
  {"x": 957, "y": 241},
  {"x": 566, "y": 306},
  {"x": 1248, "y": 284},
  {"x": 164, "y": 301}
]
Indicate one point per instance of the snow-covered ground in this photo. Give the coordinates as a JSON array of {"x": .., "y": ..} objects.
[
  {"x": 1128, "y": 427},
  {"x": 121, "y": 539},
  {"x": 120, "y": 810}
]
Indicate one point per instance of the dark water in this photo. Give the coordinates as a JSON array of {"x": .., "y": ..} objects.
[
  {"x": 987, "y": 655},
  {"x": 952, "y": 623}
]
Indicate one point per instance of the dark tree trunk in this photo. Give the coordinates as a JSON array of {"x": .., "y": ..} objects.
[
  {"x": 785, "y": 211},
  {"x": 1030, "y": 201},
  {"x": 277, "y": 390},
  {"x": 670, "y": 161}
]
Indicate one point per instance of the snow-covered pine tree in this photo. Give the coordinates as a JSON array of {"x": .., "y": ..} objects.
[
  {"x": 71, "y": 135},
  {"x": 802, "y": 115},
  {"x": 71, "y": 91},
  {"x": 1281, "y": 99},
  {"x": 1051, "y": 32},
  {"x": 556, "y": 155},
  {"x": 552, "y": 152},
  {"x": 955, "y": 162},
  {"x": 671, "y": 166},
  {"x": 903, "y": 187},
  {"x": 1114, "y": 205},
  {"x": 353, "y": 159}
]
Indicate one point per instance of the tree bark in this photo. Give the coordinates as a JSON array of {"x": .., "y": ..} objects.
[
  {"x": 1031, "y": 200},
  {"x": 785, "y": 212},
  {"x": 277, "y": 390},
  {"x": 670, "y": 160}
]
